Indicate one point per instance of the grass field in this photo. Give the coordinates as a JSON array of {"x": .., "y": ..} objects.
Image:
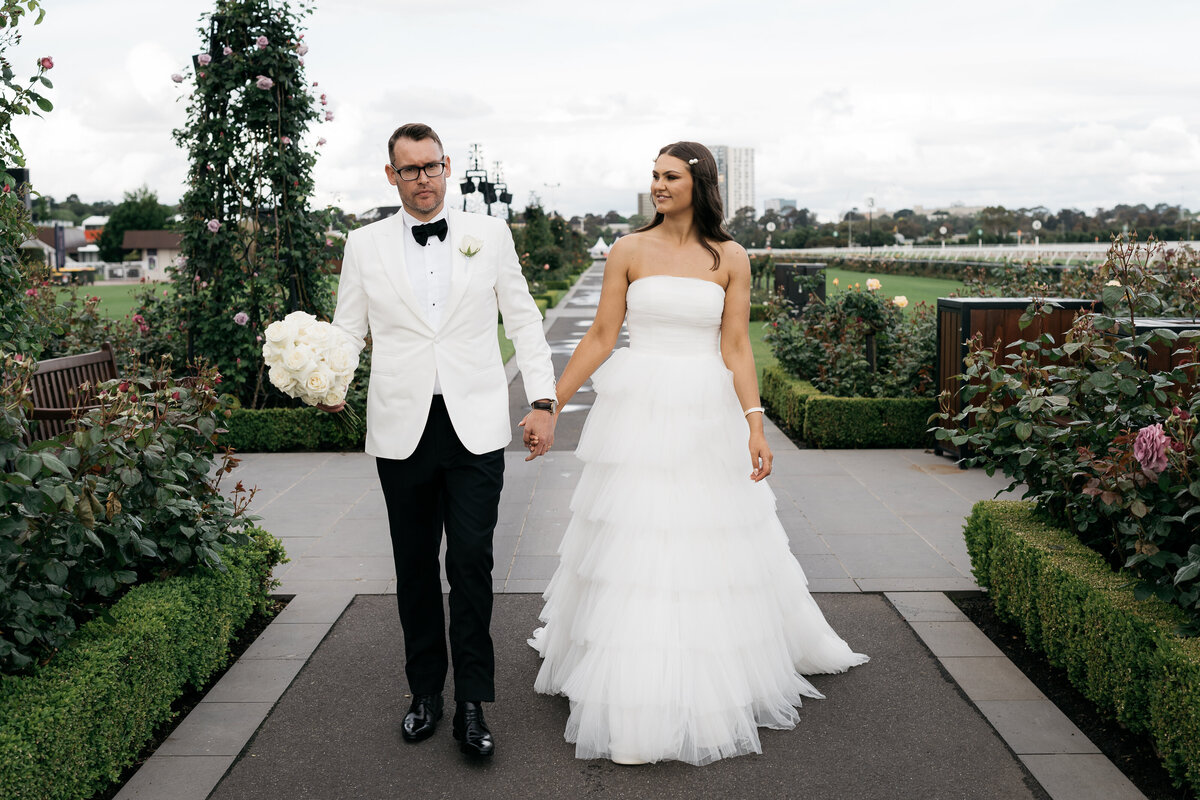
[
  {"x": 116, "y": 299},
  {"x": 915, "y": 289}
]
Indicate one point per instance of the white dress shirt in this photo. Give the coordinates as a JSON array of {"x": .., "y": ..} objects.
[{"x": 428, "y": 271}]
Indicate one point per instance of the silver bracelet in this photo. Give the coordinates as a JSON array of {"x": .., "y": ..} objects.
[{"x": 750, "y": 411}]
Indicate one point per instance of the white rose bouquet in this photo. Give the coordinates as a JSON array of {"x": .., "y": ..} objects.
[{"x": 306, "y": 359}]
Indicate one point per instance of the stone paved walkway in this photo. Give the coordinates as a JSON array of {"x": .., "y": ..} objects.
[{"x": 860, "y": 521}]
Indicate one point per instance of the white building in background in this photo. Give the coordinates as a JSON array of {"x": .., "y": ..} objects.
[
  {"x": 735, "y": 177},
  {"x": 645, "y": 205},
  {"x": 778, "y": 204}
]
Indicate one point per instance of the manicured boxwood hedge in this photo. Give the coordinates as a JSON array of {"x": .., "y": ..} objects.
[
  {"x": 551, "y": 296},
  {"x": 271, "y": 430},
  {"x": 1121, "y": 653},
  {"x": 69, "y": 729},
  {"x": 844, "y": 422}
]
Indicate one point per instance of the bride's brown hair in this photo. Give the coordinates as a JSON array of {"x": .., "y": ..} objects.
[{"x": 707, "y": 212}]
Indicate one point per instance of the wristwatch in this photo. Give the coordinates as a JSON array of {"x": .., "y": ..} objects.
[{"x": 545, "y": 405}]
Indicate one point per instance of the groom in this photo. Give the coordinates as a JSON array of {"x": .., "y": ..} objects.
[{"x": 427, "y": 283}]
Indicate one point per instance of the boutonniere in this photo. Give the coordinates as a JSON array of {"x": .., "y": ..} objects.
[{"x": 469, "y": 246}]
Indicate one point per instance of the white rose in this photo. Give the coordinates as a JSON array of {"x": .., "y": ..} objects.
[
  {"x": 318, "y": 336},
  {"x": 336, "y": 394},
  {"x": 271, "y": 354},
  {"x": 280, "y": 378},
  {"x": 341, "y": 360},
  {"x": 470, "y": 245},
  {"x": 318, "y": 382},
  {"x": 300, "y": 361},
  {"x": 281, "y": 333}
]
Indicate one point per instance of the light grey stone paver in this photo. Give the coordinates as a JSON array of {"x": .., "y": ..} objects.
[
  {"x": 296, "y": 640},
  {"x": 822, "y": 566},
  {"x": 990, "y": 678},
  {"x": 917, "y": 584},
  {"x": 1034, "y": 727},
  {"x": 951, "y": 639},
  {"x": 816, "y": 585},
  {"x": 255, "y": 681},
  {"x": 1081, "y": 777},
  {"x": 889, "y": 556},
  {"x": 176, "y": 778},
  {"x": 314, "y": 607},
  {"x": 340, "y": 568},
  {"x": 926, "y": 607},
  {"x": 215, "y": 729}
]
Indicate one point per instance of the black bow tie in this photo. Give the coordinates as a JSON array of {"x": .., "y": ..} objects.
[{"x": 422, "y": 232}]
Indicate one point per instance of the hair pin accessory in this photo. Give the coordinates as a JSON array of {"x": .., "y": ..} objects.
[{"x": 693, "y": 161}]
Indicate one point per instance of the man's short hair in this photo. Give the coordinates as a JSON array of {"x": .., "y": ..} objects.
[{"x": 417, "y": 131}]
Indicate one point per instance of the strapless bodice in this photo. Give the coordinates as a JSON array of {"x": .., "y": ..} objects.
[{"x": 673, "y": 315}]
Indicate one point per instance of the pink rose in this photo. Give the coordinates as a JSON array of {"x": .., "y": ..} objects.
[
  {"x": 204, "y": 59},
  {"x": 329, "y": 116},
  {"x": 203, "y": 284},
  {"x": 264, "y": 82},
  {"x": 241, "y": 318},
  {"x": 320, "y": 141},
  {"x": 227, "y": 50},
  {"x": 302, "y": 49},
  {"x": 177, "y": 77},
  {"x": 1150, "y": 449},
  {"x": 301, "y": 61},
  {"x": 47, "y": 62},
  {"x": 214, "y": 225},
  {"x": 285, "y": 140},
  {"x": 31, "y": 292},
  {"x": 262, "y": 42}
]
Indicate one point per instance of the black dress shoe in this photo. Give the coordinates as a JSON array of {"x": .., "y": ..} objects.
[
  {"x": 471, "y": 731},
  {"x": 421, "y": 720}
]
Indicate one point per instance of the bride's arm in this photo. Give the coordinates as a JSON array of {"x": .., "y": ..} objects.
[
  {"x": 601, "y": 337},
  {"x": 738, "y": 356}
]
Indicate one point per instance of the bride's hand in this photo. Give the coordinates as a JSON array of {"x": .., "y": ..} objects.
[{"x": 760, "y": 457}]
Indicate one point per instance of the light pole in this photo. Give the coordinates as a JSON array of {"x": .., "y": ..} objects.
[
  {"x": 850, "y": 227},
  {"x": 870, "y": 207},
  {"x": 942, "y": 230},
  {"x": 770, "y": 230},
  {"x": 979, "y": 232},
  {"x": 1037, "y": 238}
]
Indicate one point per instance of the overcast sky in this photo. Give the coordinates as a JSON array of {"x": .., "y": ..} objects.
[{"x": 1078, "y": 104}]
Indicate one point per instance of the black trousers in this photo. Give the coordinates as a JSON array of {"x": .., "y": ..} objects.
[{"x": 442, "y": 485}]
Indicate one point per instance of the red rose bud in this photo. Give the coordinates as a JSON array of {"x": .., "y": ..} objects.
[
  {"x": 123, "y": 387},
  {"x": 1177, "y": 445},
  {"x": 175, "y": 396}
]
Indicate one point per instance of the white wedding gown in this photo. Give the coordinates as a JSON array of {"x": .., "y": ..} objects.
[{"x": 678, "y": 621}]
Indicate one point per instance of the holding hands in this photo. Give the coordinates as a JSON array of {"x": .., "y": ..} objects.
[{"x": 539, "y": 428}]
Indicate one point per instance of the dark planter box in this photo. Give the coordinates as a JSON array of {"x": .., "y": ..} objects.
[
  {"x": 997, "y": 318},
  {"x": 787, "y": 281}
]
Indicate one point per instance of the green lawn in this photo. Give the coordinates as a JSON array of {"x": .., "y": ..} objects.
[
  {"x": 915, "y": 289},
  {"x": 116, "y": 299},
  {"x": 763, "y": 357}
]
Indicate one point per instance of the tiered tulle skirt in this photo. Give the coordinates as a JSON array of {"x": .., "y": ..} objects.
[{"x": 678, "y": 621}]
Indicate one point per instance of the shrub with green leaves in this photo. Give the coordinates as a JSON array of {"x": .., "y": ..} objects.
[
  {"x": 133, "y": 493},
  {"x": 857, "y": 343},
  {"x": 1064, "y": 419}
]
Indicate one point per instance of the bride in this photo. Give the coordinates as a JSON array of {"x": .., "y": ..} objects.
[{"x": 678, "y": 622}]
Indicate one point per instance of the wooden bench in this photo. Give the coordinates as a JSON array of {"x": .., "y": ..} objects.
[{"x": 58, "y": 393}]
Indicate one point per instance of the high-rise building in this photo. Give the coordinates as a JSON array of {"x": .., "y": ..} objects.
[
  {"x": 735, "y": 177},
  {"x": 778, "y": 204},
  {"x": 645, "y": 205}
]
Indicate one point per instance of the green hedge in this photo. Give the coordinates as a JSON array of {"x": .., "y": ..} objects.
[
  {"x": 271, "y": 430},
  {"x": 69, "y": 730},
  {"x": 844, "y": 422},
  {"x": 758, "y": 312},
  {"x": 551, "y": 296},
  {"x": 785, "y": 398},
  {"x": 1121, "y": 653},
  {"x": 559, "y": 284},
  {"x": 858, "y": 422}
]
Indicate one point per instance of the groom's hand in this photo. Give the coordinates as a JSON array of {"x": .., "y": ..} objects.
[{"x": 539, "y": 432}]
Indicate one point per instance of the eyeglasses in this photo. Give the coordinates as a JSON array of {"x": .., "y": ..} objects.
[{"x": 431, "y": 170}]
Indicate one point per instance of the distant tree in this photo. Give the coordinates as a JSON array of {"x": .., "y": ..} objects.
[
  {"x": 636, "y": 221},
  {"x": 996, "y": 220},
  {"x": 140, "y": 211},
  {"x": 613, "y": 216}
]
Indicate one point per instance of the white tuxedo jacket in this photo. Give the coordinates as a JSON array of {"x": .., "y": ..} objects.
[{"x": 375, "y": 294}]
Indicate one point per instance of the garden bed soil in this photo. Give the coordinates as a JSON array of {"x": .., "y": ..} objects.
[
  {"x": 255, "y": 625},
  {"x": 1133, "y": 754}
]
